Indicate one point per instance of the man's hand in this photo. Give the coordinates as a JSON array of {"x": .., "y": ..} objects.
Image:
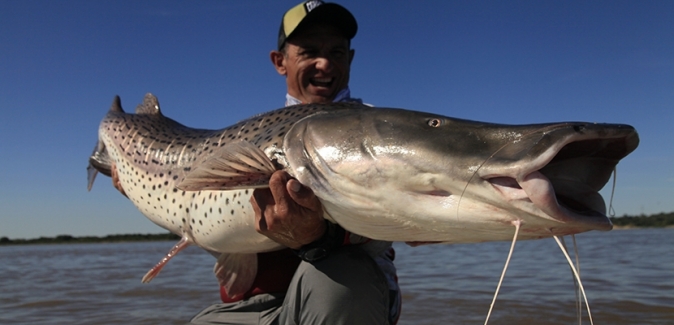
[
  {"x": 115, "y": 179},
  {"x": 288, "y": 212}
]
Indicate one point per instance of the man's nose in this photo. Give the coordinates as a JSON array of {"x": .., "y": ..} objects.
[{"x": 323, "y": 64}]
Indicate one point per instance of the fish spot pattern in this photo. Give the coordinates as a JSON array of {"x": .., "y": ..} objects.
[{"x": 153, "y": 153}]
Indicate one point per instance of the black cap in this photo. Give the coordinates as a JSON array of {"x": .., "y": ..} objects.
[{"x": 316, "y": 11}]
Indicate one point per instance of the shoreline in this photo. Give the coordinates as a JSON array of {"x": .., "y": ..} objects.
[
  {"x": 660, "y": 220},
  {"x": 59, "y": 240},
  {"x": 68, "y": 239},
  {"x": 630, "y": 227}
]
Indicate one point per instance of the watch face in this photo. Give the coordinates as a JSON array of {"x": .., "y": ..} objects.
[{"x": 314, "y": 254}]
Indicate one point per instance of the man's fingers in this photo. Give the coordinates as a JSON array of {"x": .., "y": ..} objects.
[
  {"x": 259, "y": 200},
  {"x": 287, "y": 212},
  {"x": 277, "y": 186},
  {"x": 303, "y": 195}
]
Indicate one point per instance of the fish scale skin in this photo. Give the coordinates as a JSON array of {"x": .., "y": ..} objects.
[
  {"x": 384, "y": 173},
  {"x": 152, "y": 153}
]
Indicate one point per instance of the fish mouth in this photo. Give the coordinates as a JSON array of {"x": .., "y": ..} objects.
[
  {"x": 577, "y": 207},
  {"x": 563, "y": 181}
]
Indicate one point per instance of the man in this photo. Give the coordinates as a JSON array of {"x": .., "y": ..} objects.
[
  {"x": 315, "y": 56},
  {"x": 330, "y": 276}
]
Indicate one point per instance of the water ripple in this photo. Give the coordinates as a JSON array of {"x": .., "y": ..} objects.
[{"x": 627, "y": 275}]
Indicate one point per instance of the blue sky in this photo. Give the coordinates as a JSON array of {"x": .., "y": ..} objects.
[{"x": 62, "y": 62}]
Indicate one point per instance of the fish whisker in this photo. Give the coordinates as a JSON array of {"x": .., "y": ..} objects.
[
  {"x": 575, "y": 283},
  {"x": 517, "y": 224},
  {"x": 611, "y": 211},
  {"x": 578, "y": 297},
  {"x": 576, "y": 274}
]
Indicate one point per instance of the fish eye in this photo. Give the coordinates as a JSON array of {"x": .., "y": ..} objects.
[{"x": 434, "y": 122}]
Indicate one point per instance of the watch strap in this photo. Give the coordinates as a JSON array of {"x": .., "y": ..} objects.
[{"x": 320, "y": 248}]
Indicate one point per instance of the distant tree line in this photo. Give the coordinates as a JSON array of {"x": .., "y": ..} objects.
[
  {"x": 654, "y": 220},
  {"x": 65, "y": 239}
]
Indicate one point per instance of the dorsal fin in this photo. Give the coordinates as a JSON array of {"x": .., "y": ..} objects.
[
  {"x": 150, "y": 106},
  {"x": 116, "y": 105}
]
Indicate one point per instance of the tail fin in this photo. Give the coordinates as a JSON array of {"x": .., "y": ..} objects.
[{"x": 99, "y": 161}]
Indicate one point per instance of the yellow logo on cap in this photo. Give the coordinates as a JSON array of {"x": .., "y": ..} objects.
[{"x": 295, "y": 15}]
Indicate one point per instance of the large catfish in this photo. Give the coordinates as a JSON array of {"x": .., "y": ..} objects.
[{"x": 384, "y": 173}]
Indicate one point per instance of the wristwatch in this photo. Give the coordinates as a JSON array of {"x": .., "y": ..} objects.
[{"x": 319, "y": 249}]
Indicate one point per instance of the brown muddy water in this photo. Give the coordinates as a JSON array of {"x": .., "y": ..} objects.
[{"x": 628, "y": 276}]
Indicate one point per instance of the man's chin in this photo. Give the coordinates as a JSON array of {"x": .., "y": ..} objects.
[
  {"x": 321, "y": 97},
  {"x": 320, "y": 100}
]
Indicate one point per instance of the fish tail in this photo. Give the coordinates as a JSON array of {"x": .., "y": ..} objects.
[{"x": 99, "y": 161}]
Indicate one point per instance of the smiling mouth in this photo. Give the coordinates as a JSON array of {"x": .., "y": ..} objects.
[{"x": 322, "y": 82}]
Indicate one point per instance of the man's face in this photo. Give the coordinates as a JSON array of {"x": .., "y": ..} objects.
[{"x": 316, "y": 63}]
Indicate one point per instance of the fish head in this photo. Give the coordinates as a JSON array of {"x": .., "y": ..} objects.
[{"x": 450, "y": 173}]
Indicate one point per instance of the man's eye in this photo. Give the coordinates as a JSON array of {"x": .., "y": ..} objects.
[{"x": 308, "y": 53}]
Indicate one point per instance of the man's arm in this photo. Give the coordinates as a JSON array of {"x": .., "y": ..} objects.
[{"x": 288, "y": 212}]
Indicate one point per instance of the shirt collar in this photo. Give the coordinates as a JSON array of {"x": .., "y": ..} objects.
[{"x": 343, "y": 96}]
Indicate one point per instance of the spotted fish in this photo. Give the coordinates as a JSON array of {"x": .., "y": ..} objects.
[
  {"x": 153, "y": 153},
  {"x": 383, "y": 173}
]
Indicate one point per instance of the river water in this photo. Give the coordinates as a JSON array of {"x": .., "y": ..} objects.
[{"x": 628, "y": 276}]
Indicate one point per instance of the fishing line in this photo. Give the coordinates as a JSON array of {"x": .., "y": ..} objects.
[
  {"x": 611, "y": 211},
  {"x": 517, "y": 224},
  {"x": 577, "y": 275}
]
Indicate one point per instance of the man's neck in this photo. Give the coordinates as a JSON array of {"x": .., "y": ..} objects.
[{"x": 343, "y": 95}]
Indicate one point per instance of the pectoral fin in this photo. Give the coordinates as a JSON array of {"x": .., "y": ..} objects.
[
  {"x": 236, "y": 165},
  {"x": 236, "y": 272},
  {"x": 182, "y": 244}
]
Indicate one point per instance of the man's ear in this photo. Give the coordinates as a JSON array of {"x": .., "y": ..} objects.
[
  {"x": 352, "y": 52},
  {"x": 278, "y": 60}
]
